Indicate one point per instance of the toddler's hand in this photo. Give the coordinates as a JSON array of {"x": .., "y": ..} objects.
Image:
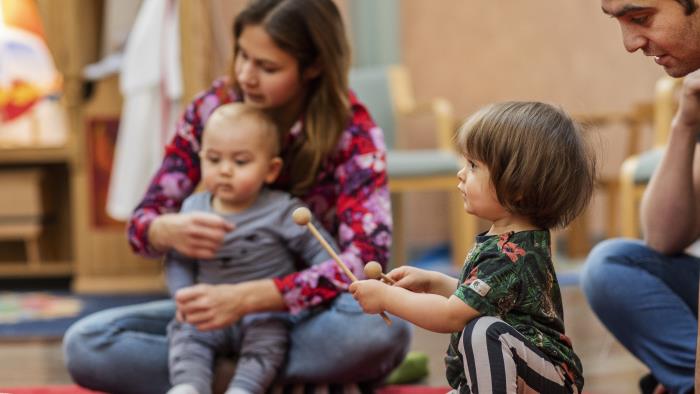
[
  {"x": 370, "y": 294},
  {"x": 411, "y": 278}
]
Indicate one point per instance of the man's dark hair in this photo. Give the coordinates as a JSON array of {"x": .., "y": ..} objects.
[{"x": 689, "y": 5}]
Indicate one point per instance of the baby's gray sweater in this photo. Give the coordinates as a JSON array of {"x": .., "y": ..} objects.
[{"x": 264, "y": 244}]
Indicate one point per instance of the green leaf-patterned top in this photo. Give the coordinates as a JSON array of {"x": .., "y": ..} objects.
[{"x": 511, "y": 276}]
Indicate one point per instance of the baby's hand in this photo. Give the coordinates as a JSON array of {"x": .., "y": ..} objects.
[{"x": 370, "y": 294}]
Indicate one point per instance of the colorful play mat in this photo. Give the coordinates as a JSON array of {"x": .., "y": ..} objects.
[
  {"x": 19, "y": 307},
  {"x": 48, "y": 314}
]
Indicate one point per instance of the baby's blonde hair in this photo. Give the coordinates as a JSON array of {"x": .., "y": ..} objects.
[
  {"x": 541, "y": 166},
  {"x": 228, "y": 114}
]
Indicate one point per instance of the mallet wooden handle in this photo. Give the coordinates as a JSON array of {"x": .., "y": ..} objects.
[
  {"x": 386, "y": 318},
  {"x": 302, "y": 216},
  {"x": 331, "y": 252},
  {"x": 342, "y": 265}
]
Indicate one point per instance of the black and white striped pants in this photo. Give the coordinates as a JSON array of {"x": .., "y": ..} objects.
[{"x": 498, "y": 359}]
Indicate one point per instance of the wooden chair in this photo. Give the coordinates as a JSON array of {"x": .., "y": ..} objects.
[
  {"x": 633, "y": 122},
  {"x": 388, "y": 94},
  {"x": 636, "y": 170}
]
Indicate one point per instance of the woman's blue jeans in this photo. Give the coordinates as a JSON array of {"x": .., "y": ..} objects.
[
  {"x": 649, "y": 301},
  {"x": 125, "y": 350}
]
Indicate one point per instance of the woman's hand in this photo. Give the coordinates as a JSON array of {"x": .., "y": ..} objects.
[
  {"x": 196, "y": 234},
  {"x": 209, "y": 307},
  {"x": 370, "y": 294}
]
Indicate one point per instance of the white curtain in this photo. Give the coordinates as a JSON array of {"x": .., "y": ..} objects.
[{"x": 151, "y": 83}]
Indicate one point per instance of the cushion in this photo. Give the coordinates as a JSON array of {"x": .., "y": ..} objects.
[
  {"x": 646, "y": 164},
  {"x": 424, "y": 162}
]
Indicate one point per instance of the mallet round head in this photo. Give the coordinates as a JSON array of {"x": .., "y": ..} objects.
[
  {"x": 301, "y": 216},
  {"x": 373, "y": 270}
]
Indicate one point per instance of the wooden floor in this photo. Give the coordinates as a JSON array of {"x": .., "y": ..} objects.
[
  {"x": 608, "y": 368},
  {"x": 32, "y": 363}
]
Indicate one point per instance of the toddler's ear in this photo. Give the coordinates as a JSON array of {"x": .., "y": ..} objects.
[{"x": 273, "y": 170}]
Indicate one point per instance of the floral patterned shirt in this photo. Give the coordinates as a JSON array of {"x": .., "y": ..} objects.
[
  {"x": 517, "y": 283},
  {"x": 350, "y": 197}
]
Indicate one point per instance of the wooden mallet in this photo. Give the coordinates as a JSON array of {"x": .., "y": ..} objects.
[
  {"x": 373, "y": 270},
  {"x": 302, "y": 217}
]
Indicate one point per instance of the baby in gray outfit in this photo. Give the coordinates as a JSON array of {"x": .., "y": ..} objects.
[{"x": 239, "y": 156}]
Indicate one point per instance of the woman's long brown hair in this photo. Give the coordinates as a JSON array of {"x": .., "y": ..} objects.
[{"x": 312, "y": 31}]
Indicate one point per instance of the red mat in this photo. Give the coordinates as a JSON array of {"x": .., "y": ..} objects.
[
  {"x": 46, "y": 390},
  {"x": 78, "y": 390},
  {"x": 406, "y": 389}
]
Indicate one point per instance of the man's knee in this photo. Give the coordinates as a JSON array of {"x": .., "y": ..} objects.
[{"x": 598, "y": 265}]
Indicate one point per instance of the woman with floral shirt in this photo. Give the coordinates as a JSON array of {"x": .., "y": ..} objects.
[
  {"x": 291, "y": 59},
  {"x": 528, "y": 170}
]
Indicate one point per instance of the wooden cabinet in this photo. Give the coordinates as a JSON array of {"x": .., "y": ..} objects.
[
  {"x": 35, "y": 225},
  {"x": 76, "y": 238},
  {"x": 53, "y": 230},
  {"x": 105, "y": 262},
  {"x": 80, "y": 240}
]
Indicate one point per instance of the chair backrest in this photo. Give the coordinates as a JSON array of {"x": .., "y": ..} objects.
[
  {"x": 372, "y": 87},
  {"x": 388, "y": 94}
]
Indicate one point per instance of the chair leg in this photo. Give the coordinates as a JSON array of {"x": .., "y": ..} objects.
[
  {"x": 629, "y": 226},
  {"x": 612, "y": 199},
  {"x": 398, "y": 244},
  {"x": 463, "y": 230},
  {"x": 577, "y": 244}
]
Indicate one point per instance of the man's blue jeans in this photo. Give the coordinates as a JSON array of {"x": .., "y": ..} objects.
[
  {"x": 649, "y": 301},
  {"x": 125, "y": 350}
]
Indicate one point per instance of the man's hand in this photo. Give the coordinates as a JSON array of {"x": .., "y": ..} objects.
[{"x": 688, "y": 114}]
